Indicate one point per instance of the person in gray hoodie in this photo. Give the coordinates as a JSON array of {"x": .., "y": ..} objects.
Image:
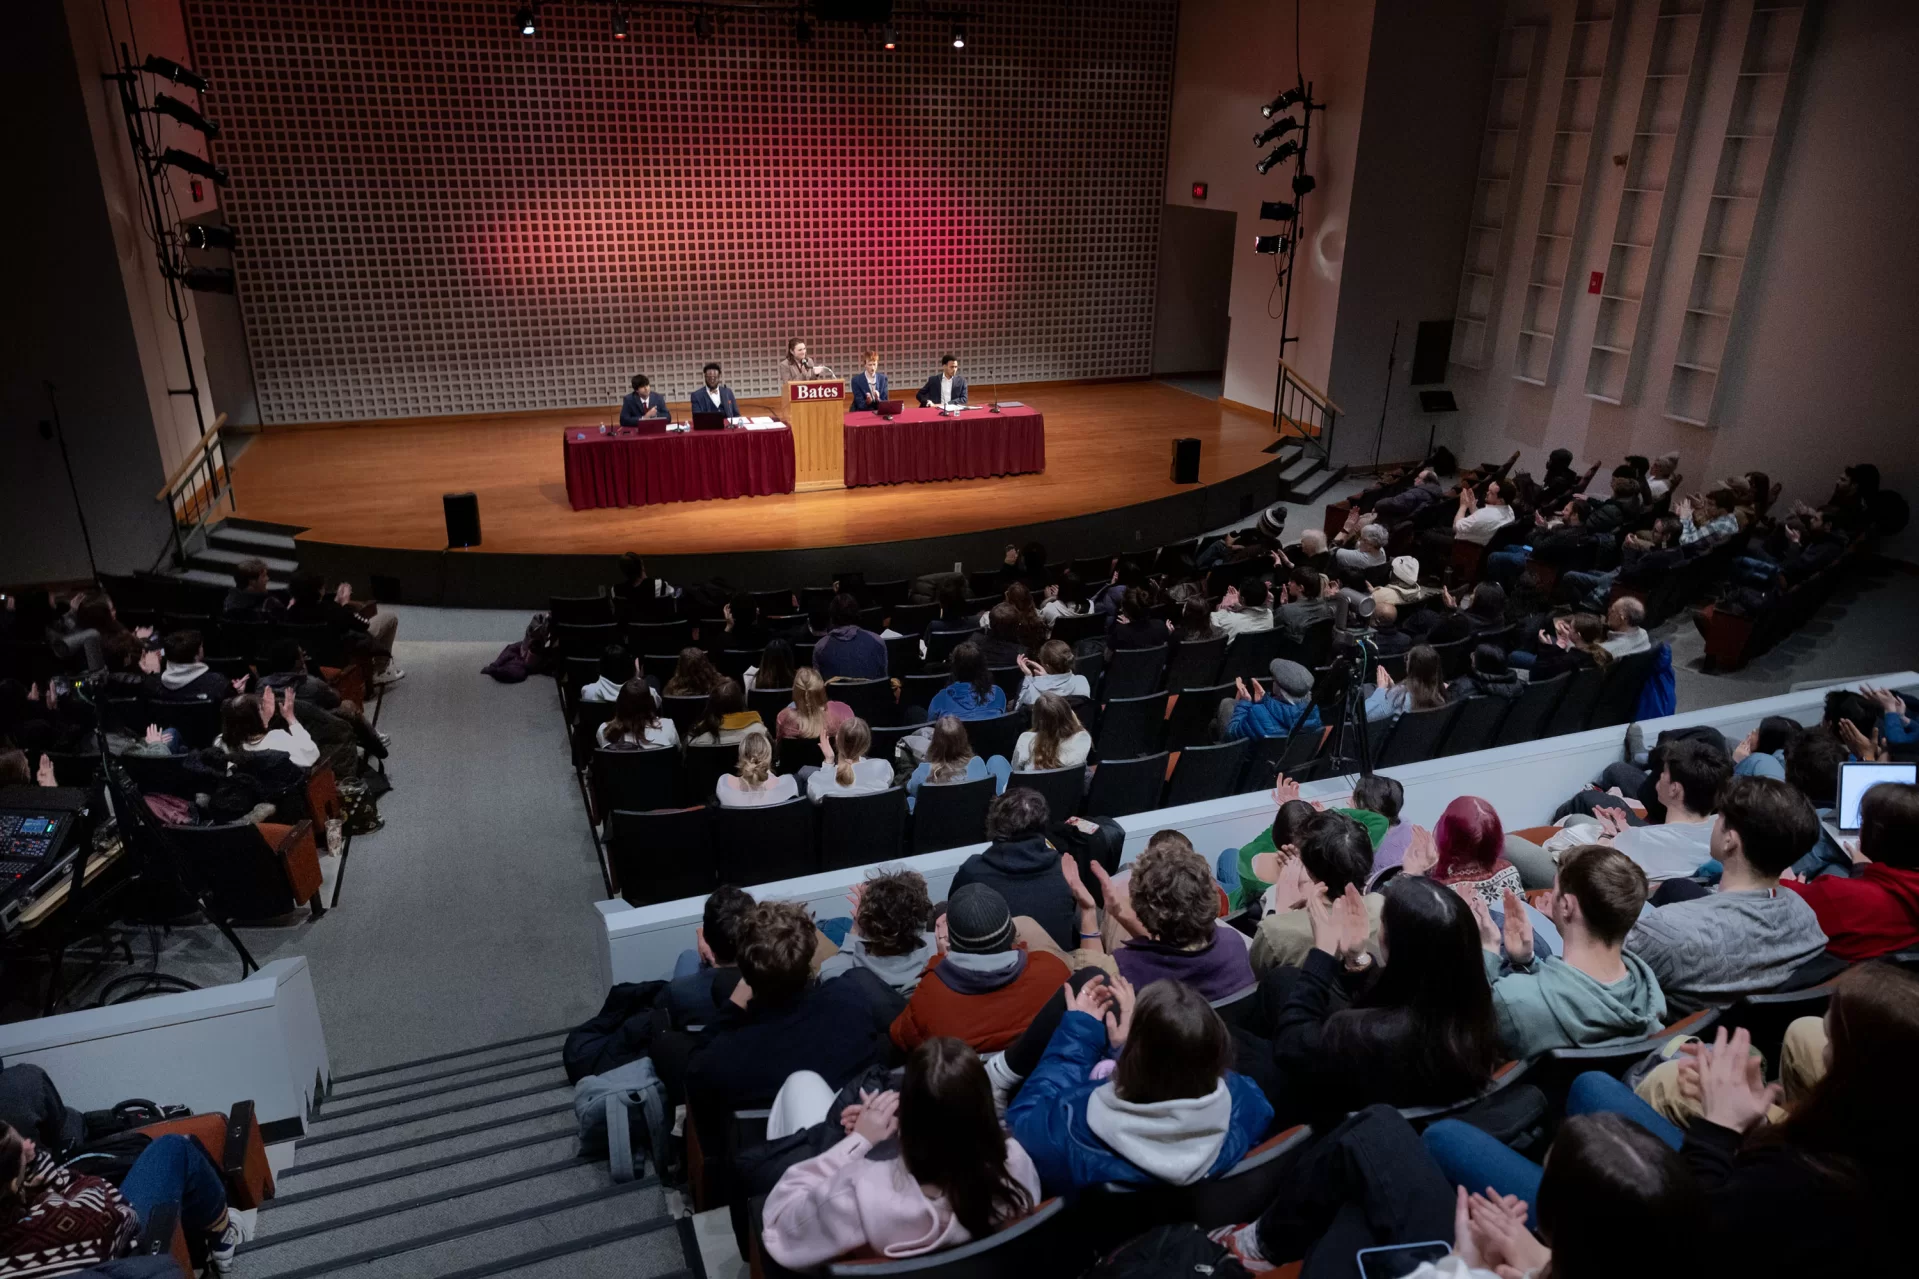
[
  {"x": 892, "y": 931},
  {"x": 186, "y": 677},
  {"x": 1596, "y": 992}
]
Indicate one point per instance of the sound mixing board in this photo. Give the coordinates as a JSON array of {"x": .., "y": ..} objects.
[{"x": 34, "y": 839}]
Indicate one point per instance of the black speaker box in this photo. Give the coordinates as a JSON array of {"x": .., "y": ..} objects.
[
  {"x": 1186, "y": 460},
  {"x": 462, "y": 518},
  {"x": 1431, "y": 349}
]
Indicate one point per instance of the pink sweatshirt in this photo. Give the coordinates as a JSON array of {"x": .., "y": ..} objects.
[{"x": 842, "y": 1201}]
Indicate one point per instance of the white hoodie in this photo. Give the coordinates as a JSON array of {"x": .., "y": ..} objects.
[{"x": 1176, "y": 1141}]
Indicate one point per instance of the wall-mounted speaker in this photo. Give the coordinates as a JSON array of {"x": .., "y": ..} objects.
[
  {"x": 462, "y": 518},
  {"x": 1431, "y": 349},
  {"x": 1186, "y": 460}
]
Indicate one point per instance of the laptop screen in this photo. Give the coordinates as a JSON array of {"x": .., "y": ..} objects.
[{"x": 1856, "y": 779}]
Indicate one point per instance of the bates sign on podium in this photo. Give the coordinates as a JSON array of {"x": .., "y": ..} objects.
[{"x": 816, "y": 390}]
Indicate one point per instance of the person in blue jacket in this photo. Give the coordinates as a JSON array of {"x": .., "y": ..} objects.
[
  {"x": 1258, "y": 713},
  {"x": 972, "y": 694},
  {"x": 1172, "y": 1109}
]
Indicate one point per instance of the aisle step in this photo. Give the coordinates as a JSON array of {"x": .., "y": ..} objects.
[{"x": 436, "y": 1058}]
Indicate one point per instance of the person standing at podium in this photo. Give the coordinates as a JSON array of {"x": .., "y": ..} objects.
[
  {"x": 869, "y": 384},
  {"x": 643, "y": 402},
  {"x": 797, "y": 367},
  {"x": 944, "y": 387},
  {"x": 714, "y": 398}
]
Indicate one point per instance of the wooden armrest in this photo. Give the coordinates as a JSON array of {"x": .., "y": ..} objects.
[
  {"x": 234, "y": 1144},
  {"x": 163, "y": 1237}
]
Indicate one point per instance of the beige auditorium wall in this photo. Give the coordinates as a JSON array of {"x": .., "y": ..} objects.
[
  {"x": 1234, "y": 56},
  {"x": 1781, "y": 311}
]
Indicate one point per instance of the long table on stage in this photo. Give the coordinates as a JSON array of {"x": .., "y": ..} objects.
[
  {"x": 921, "y": 444},
  {"x": 675, "y": 466}
]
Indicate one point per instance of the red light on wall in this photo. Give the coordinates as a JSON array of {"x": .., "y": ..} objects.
[
  {"x": 1199, "y": 190},
  {"x": 194, "y": 186},
  {"x": 1596, "y": 282}
]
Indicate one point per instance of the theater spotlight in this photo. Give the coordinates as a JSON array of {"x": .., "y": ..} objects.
[
  {"x": 1269, "y": 244},
  {"x": 959, "y": 36},
  {"x": 208, "y": 279},
  {"x": 1283, "y": 102},
  {"x": 1285, "y": 124},
  {"x": 526, "y": 21},
  {"x": 889, "y": 38},
  {"x": 200, "y": 235},
  {"x": 168, "y": 69},
  {"x": 1276, "y": 211},
  {"x": 195, "y": 165},
  {"x": 178, "y": 110},
  {"x": 619, "y": 24},
  {"x": 1302, "y": 183},
  {"x": 1284, "y": 151}
]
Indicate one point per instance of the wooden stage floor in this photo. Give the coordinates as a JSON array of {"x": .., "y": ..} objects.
[{"x": 1108, "y": 445}]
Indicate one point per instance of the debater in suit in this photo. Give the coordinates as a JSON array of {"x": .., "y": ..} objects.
[
  {"x": 869, "y": 384},
  {"x": 643, "y": 402},
  {"x": 945, "y": 386},
  {"x": 714, "y": 398}
]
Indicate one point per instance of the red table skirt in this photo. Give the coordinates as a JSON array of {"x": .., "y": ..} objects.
[
  {"x": 919, "y": 444},
  {"x": 688, "y": 466}
]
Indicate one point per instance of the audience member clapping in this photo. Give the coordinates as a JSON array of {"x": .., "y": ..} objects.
[
  {"x": 892, "y": 931},
  {"x": 847, "y": 770},
  {"x": 1328, "y": 854},
  {"x": 1169, "y": 916},
  {"x": 1051, "y": 673},
  {"x": 811, "y": 712}
]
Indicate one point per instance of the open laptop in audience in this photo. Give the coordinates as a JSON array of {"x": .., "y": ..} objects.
[{"x": 1855, "y": 779}]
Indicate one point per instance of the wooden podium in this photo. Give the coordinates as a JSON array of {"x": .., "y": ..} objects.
[{"x": 816, "y": 411}]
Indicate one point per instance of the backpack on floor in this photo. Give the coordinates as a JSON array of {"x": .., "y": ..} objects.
[
  {"x": 1169, "y": 1252},
  {"x": 604, "y": 1106},
  {"x": 622, "y": 1031}
]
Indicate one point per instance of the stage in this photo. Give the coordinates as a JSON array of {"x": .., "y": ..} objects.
[{"x": 365, "y": 499}]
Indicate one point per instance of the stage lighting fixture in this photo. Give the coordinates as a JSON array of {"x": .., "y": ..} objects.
[
  {"x": 889, "y": 38},
  {"x": 1303, "y": 183},
  {"x": 1276, "y": 211},
  {"x": 619, "y": 24},
  {"x": 525, "y": 21},
  {"x": 208, "y": 279},
  {"x": 201, "y": 235},
  {"x": 959, "y": 36},
  {"x": 1283, "y": 102},
  {"x": 1285, "y": 124},
  {"x": 194, "y": 164},
  {"x": 178, "y": 110},
  {"x": 168, "y": 69},
  {"x": 1269, "y": 244},
  {"x": 802, "y": 30},
  {"x": 1284, "y": 151}
]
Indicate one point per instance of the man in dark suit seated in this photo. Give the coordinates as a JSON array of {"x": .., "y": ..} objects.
[
  {"x": 869, "y": 384},
  {"x": 714, "y": 398},
  {"x": 945, "y": 386},
  {"x": 644, "y": 402}
]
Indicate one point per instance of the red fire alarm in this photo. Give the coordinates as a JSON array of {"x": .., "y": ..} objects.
[
  {"x": 1596, "y": 282},
  {"x": 1199, "y": 190}
]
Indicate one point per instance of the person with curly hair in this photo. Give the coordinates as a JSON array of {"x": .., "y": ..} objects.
[
  {"x": 1170, "y": 915},
  {"x": 892, "y": 933}
]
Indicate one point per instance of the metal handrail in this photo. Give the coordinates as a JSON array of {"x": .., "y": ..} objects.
[{"x": 197, "y": 472}]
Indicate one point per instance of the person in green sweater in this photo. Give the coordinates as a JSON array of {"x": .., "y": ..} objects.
[
  {"x": 1596, "y": 992},
  {"x": 1292, "y": 814}
]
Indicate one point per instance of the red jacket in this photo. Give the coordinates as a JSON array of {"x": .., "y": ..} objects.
[
  {"x": 1875, "y": 914},
  {"x": 989, "y": 1019}
]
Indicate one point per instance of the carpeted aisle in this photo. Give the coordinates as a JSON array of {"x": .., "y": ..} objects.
[{"x": 468, "y": 919}]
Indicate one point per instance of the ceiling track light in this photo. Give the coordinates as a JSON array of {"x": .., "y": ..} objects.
[
  {"x": 526, "y": 21},
  {"x": 1284, "y": 151},
  {"x": 959, "y": 36},
  {"x": 1277, "y": 211},
  {"x": 175, "y": 109},
  {"x": 168, "y": 69},
  {"x": 206, "y": 235},
  {"x": 1284, "y": 102},
  {"x": 193, "y": 164},
  {"x": 1281, "y": 126},
  {"x": 889, "y": 38},
  {"x": 620, "y": 24},
  {"x": 1269, "y": 244}
]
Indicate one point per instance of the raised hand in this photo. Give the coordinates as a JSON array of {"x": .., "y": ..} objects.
[
  {"x": 1857, "y": 742},
  {"x": 344, "y": 593},
  {"x": 1519, "y": 930},
  {"x": 1501, "y": 1239},
  {"x": 1381, "y": 678},
  {"x": 45, "y": 777},
  {"x": 1888, "y": 701},
  {"x": 266, "y": 706},
  {"x": 1326, "y": 928},
  {"x": 1292, "y": 886},
  {"x": 154, "y": 736},
  {"x": 826, "y": 748},
  {"x": 1732, "y": 1082},
  {"x": 850, "y": 1113},
  {"x": 1239, "y": 691},
  {"x": 1611, "y": 821},
  {"x": 239, "y": 685},
  {"x": 143, "y": 632},
  {"x": 1259, "y": 691},
  {"x": 1119, "y": 1017},
  {"x": 1747, "y": 744},
  {"x": 1119, "y": 903},
  {"x": 1093, "y": 999},
  {"x": 150, "y": 661},
  {"x": 878, "y": 1118},
  {"x": 1069, "y": 871},
  {"x": 1355, "y": 927},
  {"x": 1422, "y": 853},
  {"x": 1285, "y": 791}
]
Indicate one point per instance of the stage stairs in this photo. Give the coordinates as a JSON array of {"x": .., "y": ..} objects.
[
  {"x": 460, "y": 1166},
  {"x": 1303, "y": 472},
  {"x": 212, "y": 551}
]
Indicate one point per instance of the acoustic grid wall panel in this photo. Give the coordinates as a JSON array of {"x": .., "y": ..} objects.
[
  {"x": 1773, "y": 41},
  {"x": 1581, "y": 97},
  {"x": 1668, "y": 105},
  {"x": 438, "y": 215},
  {"x": 1502, "y": 154}
]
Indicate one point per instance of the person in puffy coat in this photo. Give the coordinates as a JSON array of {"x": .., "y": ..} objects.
[{"x": 1171, "y": 1109}]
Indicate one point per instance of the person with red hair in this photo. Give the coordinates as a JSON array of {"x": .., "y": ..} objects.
[{"x": 1472, "y": 858}]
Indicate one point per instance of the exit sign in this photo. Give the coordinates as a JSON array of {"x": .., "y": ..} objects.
[
  {"x": 1596, "y": 282},
  {"x": 1199, "y": 190}
]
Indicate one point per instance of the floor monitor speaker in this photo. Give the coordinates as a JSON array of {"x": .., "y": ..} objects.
[
  {"x": 462, "y": 518},
  {"x": 1186, "y": 460}
]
